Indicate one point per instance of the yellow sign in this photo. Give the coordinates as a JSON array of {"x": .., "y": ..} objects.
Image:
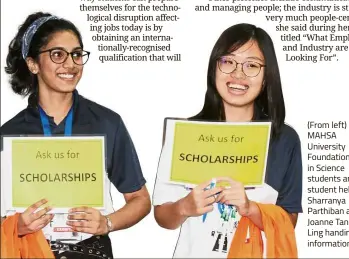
[
  {"x": 69, "y": 172},
  {"x": 202, "y": 151}
]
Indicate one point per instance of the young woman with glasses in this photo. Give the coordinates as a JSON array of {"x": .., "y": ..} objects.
[
  {"x": 45, "y": 61},
  {"x": 243, "y": 85}
]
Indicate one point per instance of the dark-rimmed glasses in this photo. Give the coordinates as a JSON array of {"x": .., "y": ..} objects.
[
  {"x": 59, "y": 55},
  {"x": 227, "y": 65}
]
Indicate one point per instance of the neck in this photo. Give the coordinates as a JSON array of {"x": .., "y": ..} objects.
[
  {"x": 238, "y": 114},
  {"x": 55, "y": 104}
]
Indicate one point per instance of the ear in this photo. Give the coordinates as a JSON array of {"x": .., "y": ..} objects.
[{"x": 33, "y": 66}]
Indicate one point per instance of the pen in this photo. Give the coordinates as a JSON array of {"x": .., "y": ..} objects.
[{"x": 212, "y": 185}]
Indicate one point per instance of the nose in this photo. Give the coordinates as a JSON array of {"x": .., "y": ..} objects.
[
  {"x": 69, "y": 63},
  {"x": 238, "y": 73}
]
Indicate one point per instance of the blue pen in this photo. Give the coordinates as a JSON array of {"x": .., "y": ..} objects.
[{"x": 212, "y": 185}]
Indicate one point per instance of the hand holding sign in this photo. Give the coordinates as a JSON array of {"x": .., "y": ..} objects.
[
  {"x": 199, "y": 201},
  {"x": 89, "y": 220},
  {"x": 44, "y": 166},
  {"x": 195, "y": 151},
  {"x": 30, "y": 221},
  {"x": 235, "y": 195}
]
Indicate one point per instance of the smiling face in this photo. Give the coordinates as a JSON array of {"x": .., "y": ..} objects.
[
  {"x": 63, "y": 77},
  {"x": 242, "y": 78}
]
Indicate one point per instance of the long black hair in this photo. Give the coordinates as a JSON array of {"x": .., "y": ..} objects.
[
  {"x": 270, "y": 101},
  {"x": 22, "y": 81}
]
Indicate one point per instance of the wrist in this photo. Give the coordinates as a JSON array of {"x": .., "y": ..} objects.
[
  {"x": 181, "y": 207},
  {"x": 108, "y": 223},
  {"x": 249, "y": 209}
]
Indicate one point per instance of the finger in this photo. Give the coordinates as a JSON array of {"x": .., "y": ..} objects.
[
  {"x": 40, "y": 213},
  {"x": 224, "y": 199},
  {"x": 232, "y": 183},
  {"x": 44, "y": 220},
  {"x": 221, "y": 199},
  {"x": 82, "y": 230},
  {"x": 207, "y": 209},
  {"x": 41, "y": 226},
  {"x": 226, "y": 179},
  {"x": 220, "y": 196},
  {"x": 224, "y": 196},
  {"x": 35, "y": 206},
  {"x": 83, "y": 224},
  {"x": 82, "y": 209},
  {"x": 203, "y": 185},
  {"x": 231, "y": 202},
  {"x": 230, "y": 191},
  {"x": 209, "y": 201},
  {"x": 212, "y": 191},
  {"x": 80, "y": 216}
]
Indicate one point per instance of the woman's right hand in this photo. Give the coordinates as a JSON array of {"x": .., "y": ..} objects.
[
  {"x": 30, "y": 221},
  {"x": 199, "y": 201}
]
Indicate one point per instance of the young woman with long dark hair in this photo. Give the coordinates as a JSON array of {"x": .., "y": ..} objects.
[{"x": 243, "y": 85}]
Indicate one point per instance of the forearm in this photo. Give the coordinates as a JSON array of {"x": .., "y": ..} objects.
[
  {"x": 254, "y": 214},
  {"x": 293, "y": 218},
  {"x": 169, "y": 215},
  {"x": 256, "y": 217},
  {"x": 133, "y": 212}
]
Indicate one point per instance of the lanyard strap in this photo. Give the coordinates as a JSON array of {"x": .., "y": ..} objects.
[{"x": 46, "y": 124}]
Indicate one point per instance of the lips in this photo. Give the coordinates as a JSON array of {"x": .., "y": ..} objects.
[
  {"x": 237, "y": 89},
  {"x": 237, "y": 86},
  {"x": 66, "y": 76}
]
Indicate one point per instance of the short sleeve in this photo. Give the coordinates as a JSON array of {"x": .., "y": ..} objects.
[
  {"x": 164, "y": 191},
  {"x": 126, "y": 173},
  {"x": 290, "y": 194}
]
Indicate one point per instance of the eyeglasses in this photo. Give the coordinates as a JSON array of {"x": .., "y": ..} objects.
[
  {"x": 59, "y": 56},
  {"x": 227, "y": 65}
]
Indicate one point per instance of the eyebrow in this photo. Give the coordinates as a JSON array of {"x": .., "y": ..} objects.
[
  {"x": 256, "y": 58},
  {"x": 253, "y": 57},
  {"x": 76, "y": 48}
]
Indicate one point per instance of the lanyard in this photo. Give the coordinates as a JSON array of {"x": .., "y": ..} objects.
[{"x": 46, "y": 124}]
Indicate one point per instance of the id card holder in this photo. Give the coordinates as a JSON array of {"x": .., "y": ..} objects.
[{"x": 58, "y": 230}]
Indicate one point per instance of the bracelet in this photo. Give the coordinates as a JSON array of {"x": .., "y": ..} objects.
[{"x": 109, "y": 224}]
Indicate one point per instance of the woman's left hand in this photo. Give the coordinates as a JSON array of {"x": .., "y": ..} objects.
[
  {"x": 89, "y": 220},
  {"x": 235, "y": 195}
]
